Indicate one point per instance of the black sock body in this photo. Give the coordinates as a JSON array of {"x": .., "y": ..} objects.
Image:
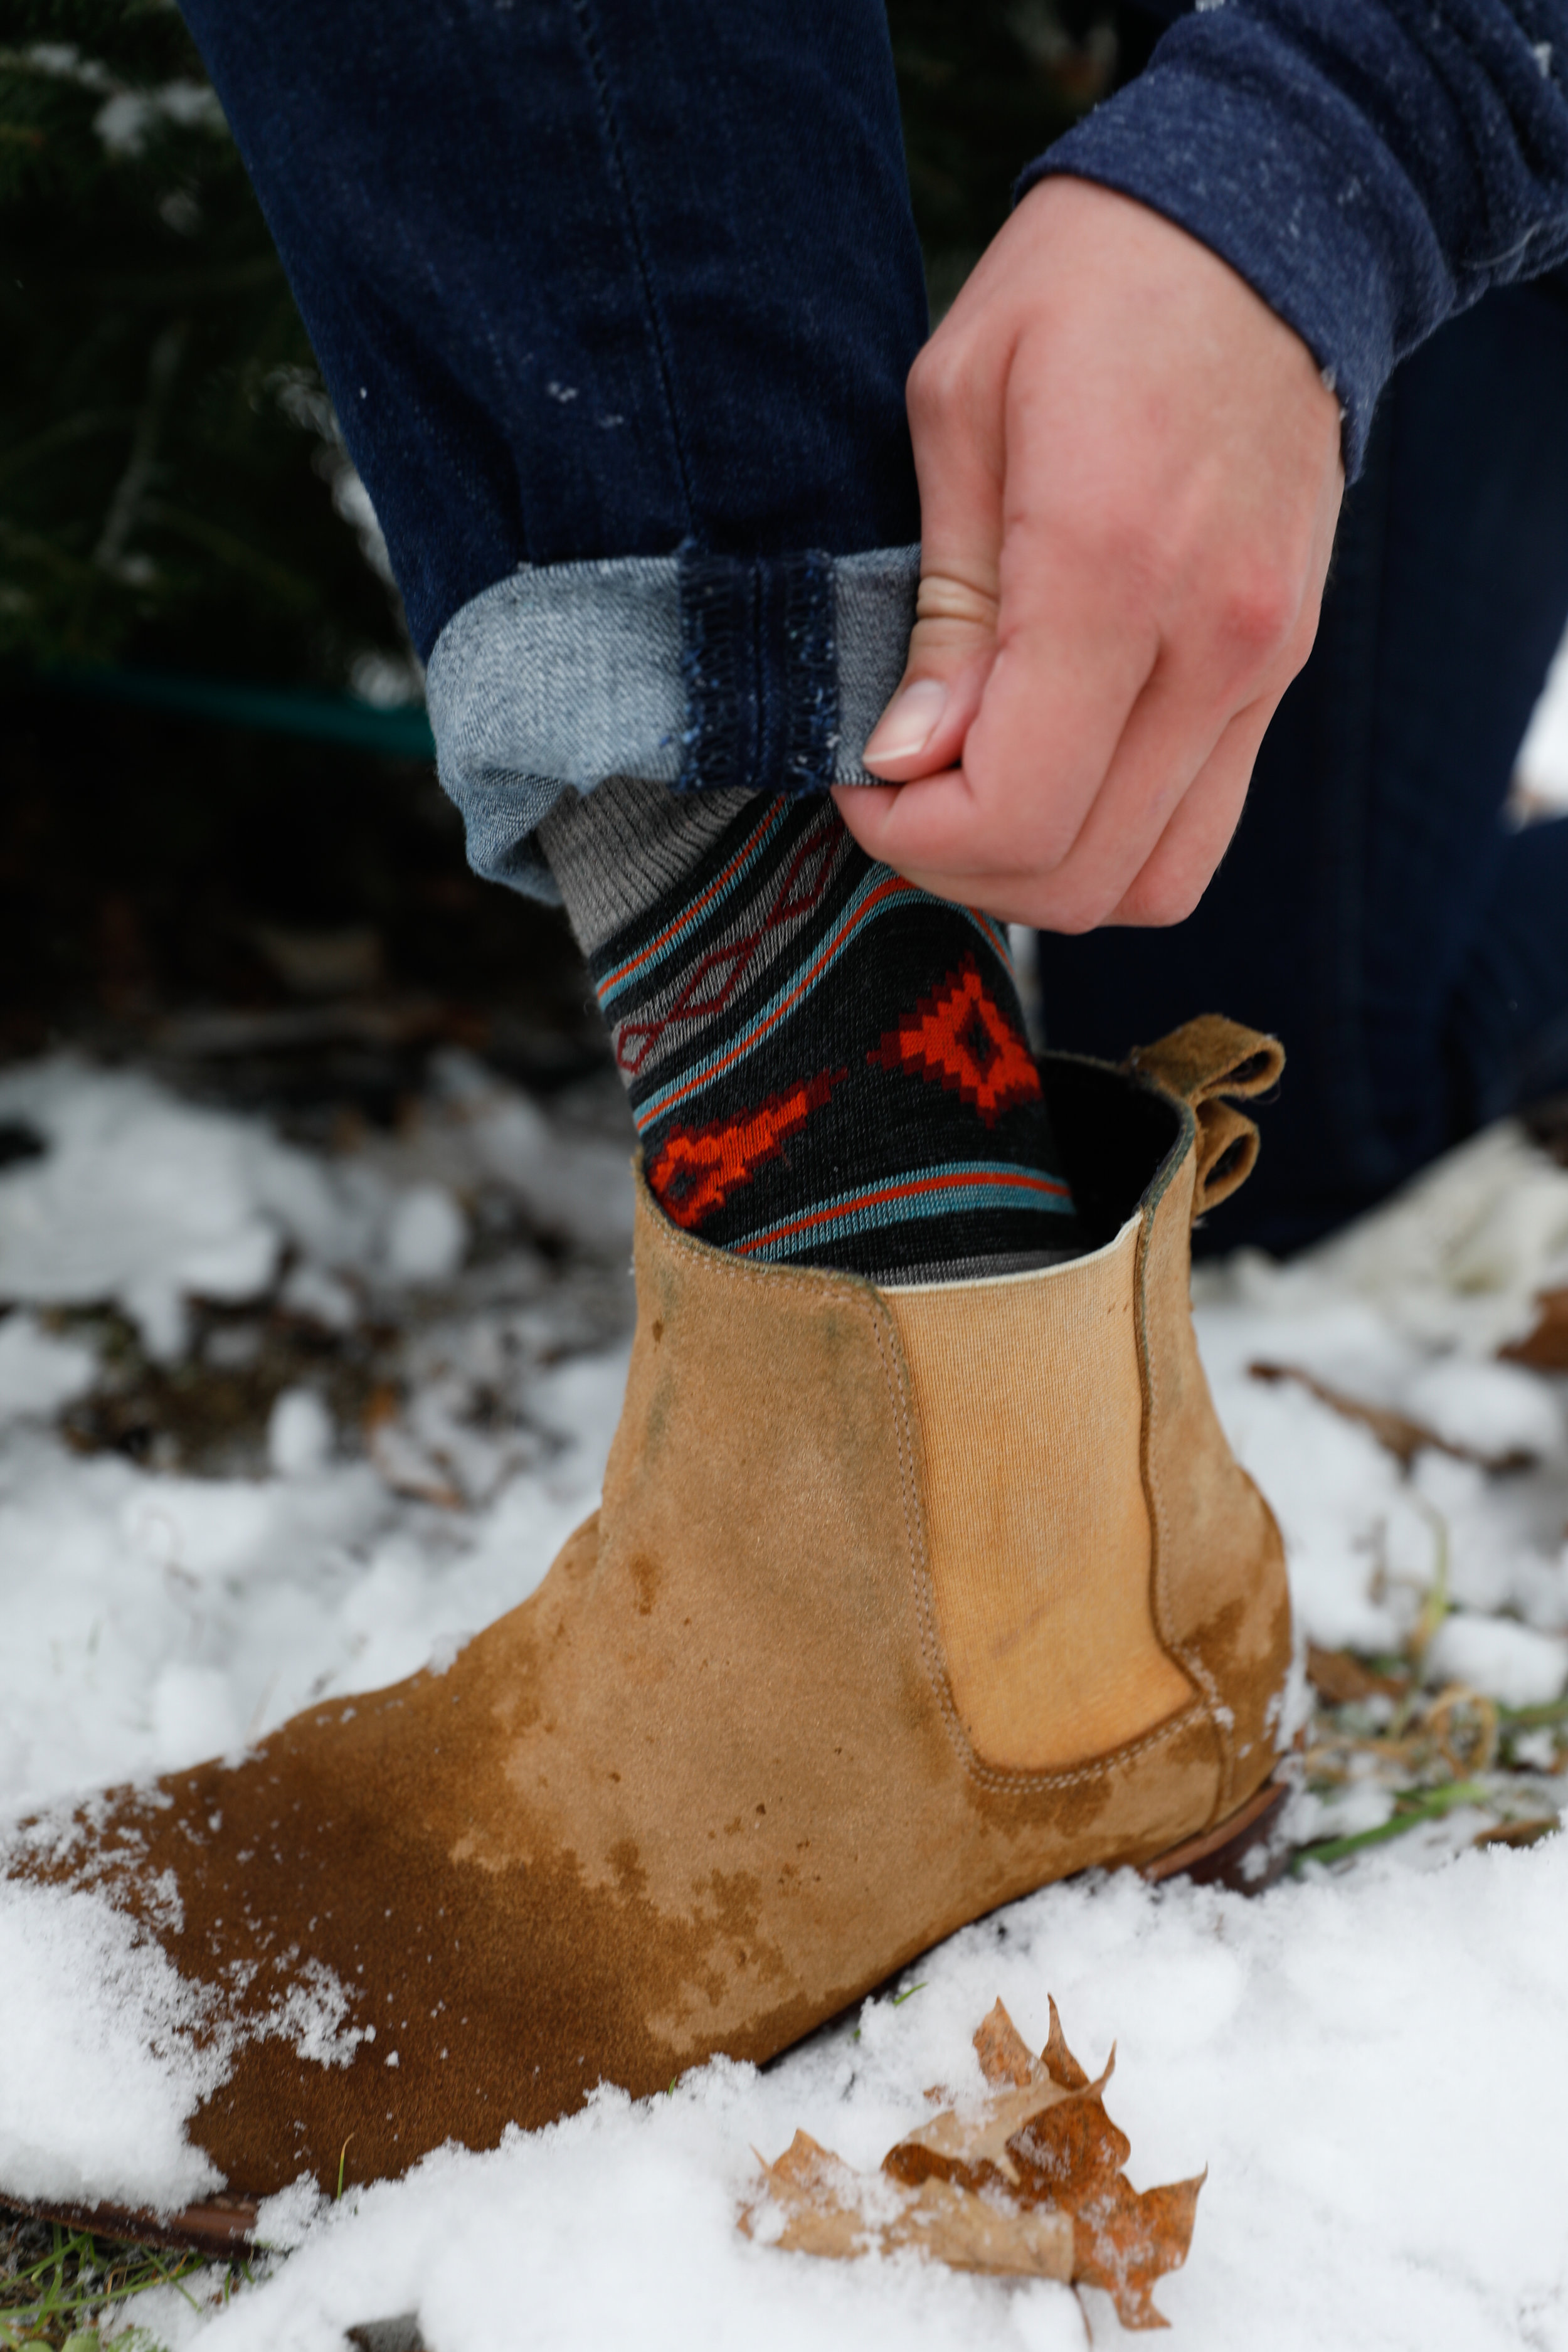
[{"x": 827, "y": 1065}]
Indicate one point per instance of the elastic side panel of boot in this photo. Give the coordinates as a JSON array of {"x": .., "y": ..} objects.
[
  {"x": 1219, "y": 1570},
  {"x": 1029, "y": 1401}
]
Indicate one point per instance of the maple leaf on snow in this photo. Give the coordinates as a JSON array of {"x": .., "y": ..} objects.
[{"x": 1027, "y": 2183}]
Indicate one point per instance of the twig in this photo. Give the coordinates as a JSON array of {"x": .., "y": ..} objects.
[{"x": 125, "y": 506}]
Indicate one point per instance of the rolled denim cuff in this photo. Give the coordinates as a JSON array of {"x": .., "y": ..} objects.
[{"x": 701, "y": 672}]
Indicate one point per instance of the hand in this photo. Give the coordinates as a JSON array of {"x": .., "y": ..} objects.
[{"x": 1130, "y": 476}]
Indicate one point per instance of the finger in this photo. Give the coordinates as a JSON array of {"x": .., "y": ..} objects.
[
  {"x": 1202, "y": 715},
  {"x": 1172, "y": 734},
  {"x": 1056, "y": 699},
  {"x": 1169, "y": 874},
  {"x": 1184, "y": 859},
  {"x": 1171, "y": 880},
  {"x": 1188, "y": 705},
  {"x": 955, "y": 425},
  {"x": 864, "y": 809}
]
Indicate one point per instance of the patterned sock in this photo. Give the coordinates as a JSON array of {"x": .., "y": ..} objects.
[{"x": 827, "y": 1065}]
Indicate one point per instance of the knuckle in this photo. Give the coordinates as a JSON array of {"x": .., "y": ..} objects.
[
  {"x": 1260, "y": 610},
  {"x": 935, "y": 385},
  {"x": 1161, "y": 900}
]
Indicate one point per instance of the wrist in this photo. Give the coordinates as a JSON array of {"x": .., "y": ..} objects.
[{"x": 1256, "y": 181}]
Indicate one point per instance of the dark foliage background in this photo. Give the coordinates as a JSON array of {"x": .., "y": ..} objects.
[
  {"x": 173, "y": 499},
  {"x": 165, "y": 489}
]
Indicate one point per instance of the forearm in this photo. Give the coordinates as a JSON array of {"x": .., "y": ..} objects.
[{"x": 1368, "y": 166}]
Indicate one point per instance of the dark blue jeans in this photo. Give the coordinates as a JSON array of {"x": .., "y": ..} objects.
[
  {"x": 614, "y": 300},
  {"x": 592, "y": 279},
  {"x": 626, "y": 295}
]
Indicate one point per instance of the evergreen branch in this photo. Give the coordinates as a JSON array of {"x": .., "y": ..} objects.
[
  {"x": 30, "y": 544},
  {"x": 125, "y": 506}
]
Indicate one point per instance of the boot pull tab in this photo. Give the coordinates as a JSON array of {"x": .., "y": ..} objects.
[{"x": 1202, "y": 1063}]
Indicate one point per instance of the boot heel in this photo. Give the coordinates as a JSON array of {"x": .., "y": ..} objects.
[{"x": 1235, "y": 1852}]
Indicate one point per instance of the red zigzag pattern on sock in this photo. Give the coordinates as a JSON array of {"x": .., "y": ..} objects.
[{"x": 698, "y": 1168}]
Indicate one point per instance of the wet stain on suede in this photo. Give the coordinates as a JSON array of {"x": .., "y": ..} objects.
[
  {"x": 1223, "y": 1637},
  {"x": 653, "y": 1428},
  {"x": 626, "y": 1862},
  {"x": 645, "y": 1576},
  {"x": 546, "y": 1984}
]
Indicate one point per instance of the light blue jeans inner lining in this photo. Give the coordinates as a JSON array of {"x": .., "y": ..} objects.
[{"x": 561, "y": 676}]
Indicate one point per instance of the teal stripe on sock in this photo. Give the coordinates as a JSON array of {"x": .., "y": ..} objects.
[
  {"x": 636, "y": 968},
  {"x": 942, "y": 1192}
]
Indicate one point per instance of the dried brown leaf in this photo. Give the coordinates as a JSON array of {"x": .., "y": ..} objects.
[
  {"x": 1531, "y": 1832},
  {"x": 1342, "y": 1680},
  {"x": 1545, "y": 1349},
  {"x": 1006, "y": 2057},
  {"x": 1027, "y": 2183},
  {"x": 1058, "y": 2060},
  {"x": 829, "y": 2208}
]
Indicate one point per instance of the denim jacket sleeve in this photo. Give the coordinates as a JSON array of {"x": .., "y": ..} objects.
[{"x": 1368, "y": 166}]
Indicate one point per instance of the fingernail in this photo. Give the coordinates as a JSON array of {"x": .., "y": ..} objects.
[{"x": 909, "y": 721}]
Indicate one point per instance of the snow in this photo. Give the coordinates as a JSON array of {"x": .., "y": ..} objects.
[
  {"x": 111, "y": 2037},
  {"x": 300, "y": 1435},
  {"x": 1503, "y": 1660},
  {"x": 128, "y": 116},
  {"x": 427, "y": 1236},
  {"x": 40, "y": 1371},
  {"x": 140, "y": 1200},
  {"x": 1542, "y": 763},
  {"x": 1372, "y": 2059},
  {"x": 1494, "y": 1407}
]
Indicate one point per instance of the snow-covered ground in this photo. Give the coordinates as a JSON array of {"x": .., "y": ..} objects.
[{"x": 274, "y": 1425}]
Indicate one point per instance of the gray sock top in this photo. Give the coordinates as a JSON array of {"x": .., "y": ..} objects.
[{"x": 614, "y": 850}]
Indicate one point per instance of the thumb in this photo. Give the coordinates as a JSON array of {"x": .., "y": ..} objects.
[
  {"x": 952, "y": 647},
  {"x": 958, "y": 460}
]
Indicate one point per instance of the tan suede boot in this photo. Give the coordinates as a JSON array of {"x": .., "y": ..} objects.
[{"x": 899, "y": 1605}]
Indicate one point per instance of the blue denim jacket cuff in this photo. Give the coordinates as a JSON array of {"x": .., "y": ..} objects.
[{"x": 692, "y": 671}]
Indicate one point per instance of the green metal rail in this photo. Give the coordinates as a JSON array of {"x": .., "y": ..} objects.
[{"x": 400, "y": 734}]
